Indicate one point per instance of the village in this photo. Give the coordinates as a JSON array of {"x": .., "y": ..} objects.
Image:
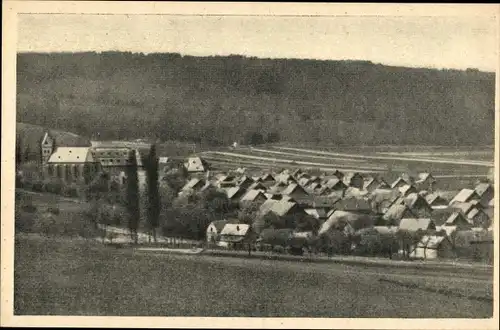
[{"x": 297, "y": 210}]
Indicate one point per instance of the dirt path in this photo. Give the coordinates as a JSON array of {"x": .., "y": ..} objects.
[{"x": 425, "y": 160}]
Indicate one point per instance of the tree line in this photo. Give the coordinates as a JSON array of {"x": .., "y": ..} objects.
[{"x": 221, "y": 99}]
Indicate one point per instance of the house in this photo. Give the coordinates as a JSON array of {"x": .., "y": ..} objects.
[
  {"x": 354, "y": 180},
  {"x": 234, "y": 193},
  {"x": 72, "y": 164},
  {"x": 440, "y": 216},
  {"x": 283, "y": 208},
  {"x": 417, "y": 205},
  {"x": 297, "y": 173},
  {"x": 319, "y": 213},
  {"x": 195, "y": 165},
  {"x": 396, "y": 213},
  {"x": 425, "y": 181},
  {"x": 295, "y": 191},
  {"x": 435, "y": 200},
  {"x": 433, "y": 247},
  {"x": 382, "y": 199},
  {"x": 267, "y": 178},
  {"x": 335, "y": 184},
  {"x": 115, "y": 160},
  {"x": 236, "y": 235},
  {"x": 325, "y": 191},
  {"x": 253, "y": 197},
  {"x": 257, "y": 186},
  {"x": 195, "y": 184},
  {"x": 285, "y": 178},
  {"x": 303, "y": 182},
  {"x": 214, "y": 229},
  {"x": 226, "y": 181},
  {"x": 338, "y": 220},
  {"x": 485, "y": 192},
  {"x": 459, "y": 221},
  {"x": 338, "y": 174},
  {"x": 412, "y": 225},
  {"x": 478, "y": 218},
  {"x": 353, "y": 204},
  {"x": 355, "y": 192},
  {"x": 370, "y": 184},
  {"x": 245, "y": 182},
  {"x": 465, "y": 196},
  {"x": 462, "y": 207},
  {"x": 407, "y": 189},
  {"x": 382, "y": 184},
  {"x": 399, "y": 182}
]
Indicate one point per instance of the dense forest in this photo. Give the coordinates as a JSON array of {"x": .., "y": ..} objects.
[{"x": 221, "y": 99}]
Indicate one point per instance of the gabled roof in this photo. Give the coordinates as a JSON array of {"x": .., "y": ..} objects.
[
  {"x": 47, "y": 139},
  {"x": 465, "y": 195},
  {"x": 194, "y": 164},
  {"x": 481, "y": 188},
  {"x": 303, "y": 181},
  {"x": 193, "y": 183},
  {"x": 435, "y": 199},
  {"x": 237, "y": 230},
  {"x": 245, "y": 179},
  {"x": 449, "y": 230},
  {"x": 463, "y": 207},
  {"x": 252, "y": 195},
  {"x": 412, "y": 199},
  {"x": 338, "y": 219},
  {"x": 350, "y": 176},
  {"x": 414, "y": 224},
  {"x": 455, "y": 218},
  {"x": 318, "y": 213},
  {"x": 338, "y": 174},
  {"x": 281, "y": 208},
  {"x": 492, "y": 202},
  {"x": 219, "y": 224},
  {"x": 74, "y": 155},
  {"x": 293, "y": 187},
  {"x": 473, "y": 213},
  {"x": 257, "y": 186},
  {"x": 267, "y": 177},
  {"x": 335, "y": 183},
  {"x": 398, "y": 181},
  {"x": 422, "y": 177},
  {"x": 353, "y": 204},
  {"x": 397, "y": 212},
  {"x": 233, "y": 192},
  {"x": 406, "y": 189},
  {"x": 267, "y": 205}
]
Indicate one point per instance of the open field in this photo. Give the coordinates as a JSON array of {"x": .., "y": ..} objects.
[
  {"x": 60, "y": 277},
  {"x": 454, "y": 168}
]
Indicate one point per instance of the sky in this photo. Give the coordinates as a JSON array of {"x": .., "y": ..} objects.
[{"x": 438, "y": 42}]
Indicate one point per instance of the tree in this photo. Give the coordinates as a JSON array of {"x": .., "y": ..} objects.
[
  {"x": 254, "y": 138},
  {"x": 153, "y": 200},
  {"x": 132, "y": 197},
  {"x": 308, "y": 223}
]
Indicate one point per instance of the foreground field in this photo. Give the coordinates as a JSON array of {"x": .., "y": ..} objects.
[{"x": 60, "y": 277}]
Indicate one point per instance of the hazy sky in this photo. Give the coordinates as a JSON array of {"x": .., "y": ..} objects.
[{"x": 442, "y": 42}]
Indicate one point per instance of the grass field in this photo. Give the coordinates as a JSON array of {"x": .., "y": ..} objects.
[{"x": 60, "y": 277}]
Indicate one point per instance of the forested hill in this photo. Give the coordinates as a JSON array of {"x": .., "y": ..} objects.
[{"x": 116, "y": 95}]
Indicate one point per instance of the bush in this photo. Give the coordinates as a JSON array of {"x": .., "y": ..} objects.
[
  {"x": 53, "y": 210},
  {"x": 53, "y": 186},
  {"x": 37, "y": 186},
  {"x": 70, "y": 191}
]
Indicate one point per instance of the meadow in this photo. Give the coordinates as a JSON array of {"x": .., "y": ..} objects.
[{"x": 79, "y": 277}]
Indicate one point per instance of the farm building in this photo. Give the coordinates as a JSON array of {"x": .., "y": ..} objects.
[
  {"x": 267, "y": 178},
  {"x": 236, "y": 235},
  {"x": 245, "y": 182},
  {"x": 214, "y": 229},
  {"x": 399, "y": 182},
  {"x": 335, "y": 184},
  {"x": 417, "y": 205},
  {"x": 195, "y": 184},
  {"x": 338, "y": 174},
  {"x": 370, "y": 184},
  {"x": 257, "y": 186},
  {"x": 463, "y": 207}
]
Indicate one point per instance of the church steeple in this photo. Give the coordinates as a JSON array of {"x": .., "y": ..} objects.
[{"x": 47, "y": 146}]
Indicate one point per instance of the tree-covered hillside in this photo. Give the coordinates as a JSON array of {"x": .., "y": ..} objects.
[{"x": 218, "y": 100}]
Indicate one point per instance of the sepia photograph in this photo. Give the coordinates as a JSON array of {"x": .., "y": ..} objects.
[{"x": 193, "y": 160}]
